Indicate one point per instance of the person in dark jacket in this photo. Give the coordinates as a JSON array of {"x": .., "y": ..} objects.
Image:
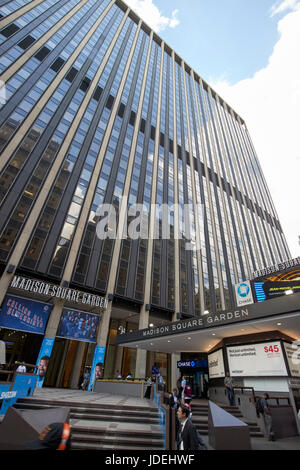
[{"x": 188, "y": 439}]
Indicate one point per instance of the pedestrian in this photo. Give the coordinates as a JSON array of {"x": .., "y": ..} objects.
[
  {"x": 86, "y": 379},
  {"x": 187, "y": 439},
  {"x": 55, "y": 436},
  {"x": 148, "y": 388},
  {"x": 267, "y": 417},
  {"x": 174, "y": 399},
  {"x": 179, "y": 388},
  {"x": 22, "y": 368},
  {"x": 183, "y": 384},
  {"x": 187, "y": 393},
  {"x": 161, "y": 383},
  {"x": 155, "y": 370},
  {"x": 229, "y": 388},
  {"x": 129, "y": 376}
]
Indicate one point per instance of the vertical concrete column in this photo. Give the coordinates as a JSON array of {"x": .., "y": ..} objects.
[
  {"x": 118, "y": 359},
  {"x": 175, "y": 357},
  {"x": 141, "y": 354},
  {"x": 176, "y": 213},
  {"x": 54, "y": 319}
]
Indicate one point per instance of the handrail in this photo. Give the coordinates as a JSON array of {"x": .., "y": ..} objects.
[
  {"x": 26, "y": 364},
  {"x": 277, "y": 398},
  {"x": 256, "y": 397},
  {"x": 247, "y": 388}
]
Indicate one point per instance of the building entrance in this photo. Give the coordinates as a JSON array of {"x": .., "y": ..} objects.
[
  {"x": 195, "y": 370},
  {"x": 20, "y": 346},
  {"x": 198, "y": 380},
  {"x": 67, "y": 364}
]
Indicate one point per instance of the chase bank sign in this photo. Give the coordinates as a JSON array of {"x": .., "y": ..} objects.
[{"x": 243, "y": 294}]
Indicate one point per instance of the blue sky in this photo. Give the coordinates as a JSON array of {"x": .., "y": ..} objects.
[
  {"x": 231, "y": 39},
  {"x": 247, "y": 51}
]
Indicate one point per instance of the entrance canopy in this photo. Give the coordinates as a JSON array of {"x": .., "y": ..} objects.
[{"x": 204, "y": 333}]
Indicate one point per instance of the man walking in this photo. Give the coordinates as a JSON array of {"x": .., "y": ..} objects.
[
  {"x": 229, "y": 388},
  {"x": 188, "y": 434},
  {"x": 267, "y": 417}
]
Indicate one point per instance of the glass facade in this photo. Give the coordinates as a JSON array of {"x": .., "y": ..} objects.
[{"x": 98, "y": 108}]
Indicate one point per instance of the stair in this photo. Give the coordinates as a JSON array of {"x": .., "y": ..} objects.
[
  {"x": 99, "y": 426},
  {"x": 200, "y": 417}
]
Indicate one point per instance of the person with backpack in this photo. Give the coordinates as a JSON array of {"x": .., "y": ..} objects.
[{"x": 262, "y": 408}]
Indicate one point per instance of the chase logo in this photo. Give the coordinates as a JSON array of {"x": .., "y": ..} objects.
[{"x": 243, "y": 290}]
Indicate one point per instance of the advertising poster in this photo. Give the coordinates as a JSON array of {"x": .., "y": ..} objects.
[
  {"x": 256, "y": 360},
  {"x": 97, "y": 366},
  {"x": 80, "y": 326},
  {"x": 24, "y": 314},
  {"x": 43, "y": 360},
  {"x": 216, "y": 365},
  {"x": 276, "y": 285},
  {"x": 243, "y": 293},
  {"x": 293, "y": 357}
]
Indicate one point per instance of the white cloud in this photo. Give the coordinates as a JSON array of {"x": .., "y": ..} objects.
[
  {"x": 281, "y": 6},
  {"x": 152, "y": 15},
  {"x": 270, "y": 104}
]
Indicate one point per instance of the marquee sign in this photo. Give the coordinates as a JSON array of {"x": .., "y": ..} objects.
[
  {"x": 277, "y": 268},
  {"x": 58, "y": 292},
  {"x": 270, "y": 308}
]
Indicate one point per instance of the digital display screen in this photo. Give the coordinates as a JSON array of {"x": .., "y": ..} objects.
[
  {"x": 277, "y": 285},
  {"x": 81, "y": 326}
]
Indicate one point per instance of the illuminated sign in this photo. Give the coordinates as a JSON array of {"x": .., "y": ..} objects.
[
  {"x": 243, "y": 294},
  {"x": 277, "y": 285},
  {"x": 256, "y": 360},
  {"x": 197, "y": 363},
  {"x": 277, "y": 267},
  {"x": 80, "y": 326}
]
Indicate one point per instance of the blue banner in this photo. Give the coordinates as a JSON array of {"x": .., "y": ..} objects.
[
  {"x": 97, "y": 366},
  {"x": 24, "y": 314},
  {"x": 81, "y": 326},
  {"x": 43, "y": 360}
]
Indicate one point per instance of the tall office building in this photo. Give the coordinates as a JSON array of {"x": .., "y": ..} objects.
[{"x": 95, "y": 106}]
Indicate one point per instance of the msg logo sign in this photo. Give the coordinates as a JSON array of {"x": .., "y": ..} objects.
[{"x": 2, "y": 93}]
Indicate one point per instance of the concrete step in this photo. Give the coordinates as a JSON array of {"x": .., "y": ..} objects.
[
  {"x": 86, "y": 406},
  {"x": 115, "y": 447},
  {"x": 134, "y": 428},
  {"x": 115, "y": 418},
  {"x": 109, "y": 439},
  {"x": 90, "y": 412},
  {"x": 200, "y": 419}
]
